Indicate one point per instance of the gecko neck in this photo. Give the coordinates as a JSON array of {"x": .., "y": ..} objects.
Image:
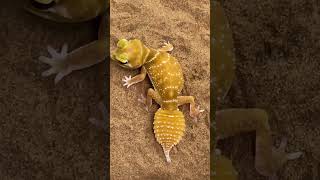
[{"x": 150, "y": 56}]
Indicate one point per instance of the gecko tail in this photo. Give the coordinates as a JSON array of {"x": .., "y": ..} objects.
[
  {"x": 169, "y": 127},
  {"x": 166, "y": 153}
]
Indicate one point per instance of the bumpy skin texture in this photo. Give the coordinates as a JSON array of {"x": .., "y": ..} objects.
[
  {"x": 232, "y": 122},
  {"x": 166, "y": 76}
]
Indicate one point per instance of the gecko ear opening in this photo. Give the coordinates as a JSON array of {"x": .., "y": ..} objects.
[{"x": 122, "y": 43}]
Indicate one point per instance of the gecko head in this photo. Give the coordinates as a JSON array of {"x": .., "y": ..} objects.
[{"x": 129, "y": 53}]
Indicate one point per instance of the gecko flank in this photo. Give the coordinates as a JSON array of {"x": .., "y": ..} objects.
[{"x": 166, "y": 76}]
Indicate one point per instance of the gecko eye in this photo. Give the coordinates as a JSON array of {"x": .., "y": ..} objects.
[
  {"x": 124, "y": 62},
  {"x": 43, "y": 4},
  {"x": 123, "y": 58}
]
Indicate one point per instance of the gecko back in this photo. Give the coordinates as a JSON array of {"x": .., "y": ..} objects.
[{"x": 166, "y": 76}]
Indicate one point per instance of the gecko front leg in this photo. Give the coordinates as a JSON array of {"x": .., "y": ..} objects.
[
  {"x": 64, "y": 63},
  {"x": 128, "y": 81}
]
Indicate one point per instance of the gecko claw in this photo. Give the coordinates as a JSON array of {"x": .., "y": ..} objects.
[{"x": 126, "y": 81}]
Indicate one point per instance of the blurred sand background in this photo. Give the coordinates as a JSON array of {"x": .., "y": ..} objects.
[
  {"x": 277, "y": 45},
  {"x": 44, "y": 131},
  {"x": 135, "y": 154}
]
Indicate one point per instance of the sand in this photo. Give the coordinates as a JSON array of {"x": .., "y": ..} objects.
[
  {"x": 277, "y": 52},
  {"x": 135, "y": 154}
]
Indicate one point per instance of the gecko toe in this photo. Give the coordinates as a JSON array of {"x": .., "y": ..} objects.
[
  {"x": 295, "y": 155},
  {"x": 60, "y": 75},
  {"x": 46, "y": 60},
  {"x": 54, "y": 54},
  {"x": 64, "y": 49},
  {"x": 49, "y": 72}
]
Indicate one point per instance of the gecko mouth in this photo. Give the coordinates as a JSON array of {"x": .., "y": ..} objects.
[{"x": 43, "y": 6}]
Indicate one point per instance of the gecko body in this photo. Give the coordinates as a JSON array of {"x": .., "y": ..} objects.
[{"x": 166, "y": 76}]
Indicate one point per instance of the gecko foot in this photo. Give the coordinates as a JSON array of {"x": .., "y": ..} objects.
[
  {"x": 57, "y": 63},
  {"x": 126, "y": 81},
  {"x": 166, "y": 47},
  {"x": 280, "y": 152},
  {"x": 280, "y": 157},
  {"x": 102, "y": 115},
  {"x": 142, "y": 99},
  {"x": 195, "y": 112}
]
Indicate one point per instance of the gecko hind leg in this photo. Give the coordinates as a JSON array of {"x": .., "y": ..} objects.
[
  {"x": 57, "y": 63},
  {"x": 99, "y": 119},
  {"x": 194, "y": 111},
  {"x": 147, "y": 101}
]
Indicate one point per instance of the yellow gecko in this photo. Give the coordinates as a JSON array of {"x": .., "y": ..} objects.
[
  {"x": 166, "y": 76},
  {"x": 231, "y": 122},
  {"x": 73, "y": 11}
]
